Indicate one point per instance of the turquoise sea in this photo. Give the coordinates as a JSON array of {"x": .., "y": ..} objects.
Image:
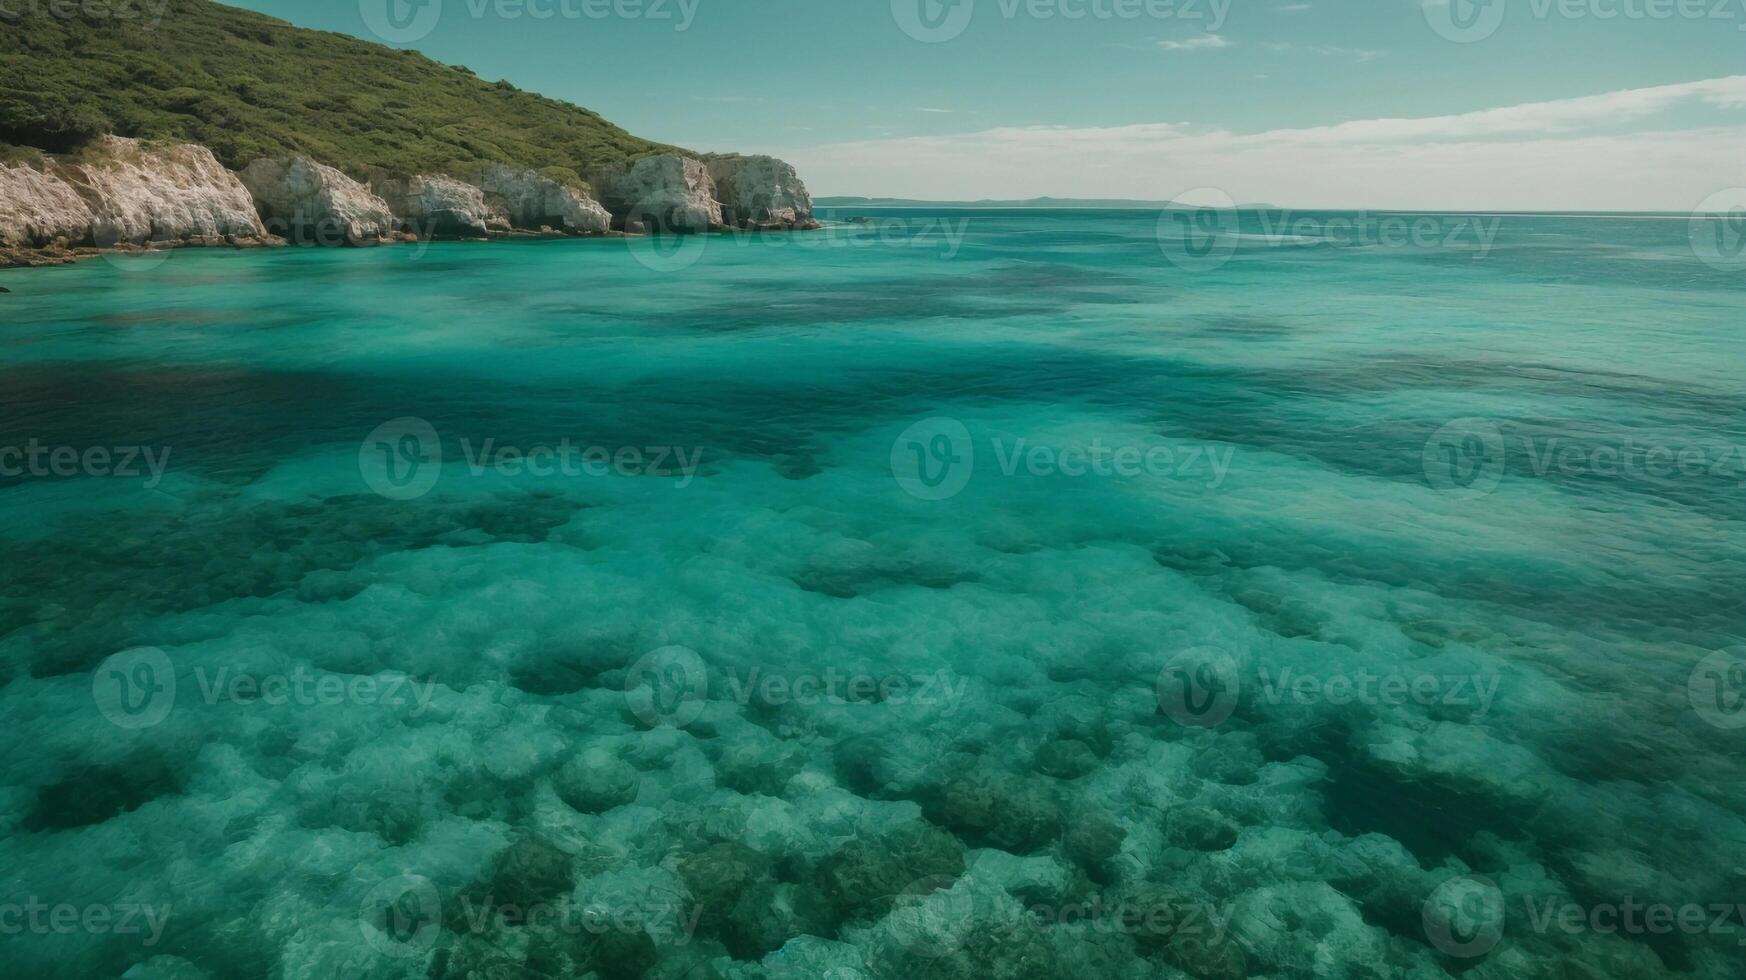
[{"x": 969, "y": 594}]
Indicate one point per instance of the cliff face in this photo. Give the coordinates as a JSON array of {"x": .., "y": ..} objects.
[
  {"x": 310, "y": 203},
  {"x": 532, "y": 202},
  {"x": 664, "y": 193},
  {"x": 124, "y": 193},
  {"x": 177, "y": 193},
  {"x": 437, "y": 206},
  {"x": 675, "y": 193},
  {"x": 39, "y": 209},
  {"x": 121, "y": 192},
  {"x": 761, "y": 192}
]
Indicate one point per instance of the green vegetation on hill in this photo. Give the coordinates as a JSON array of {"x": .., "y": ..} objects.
[{"x": 248, "y": 86}]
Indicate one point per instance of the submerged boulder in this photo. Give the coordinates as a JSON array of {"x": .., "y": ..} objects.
[
  {"x": 309, "y": 202},
  {"x": 439, "y": 206},
  {"x": 532, "y": 201},
  {"x": 595, "y": 781},
  {"x": 761, "y": 192},
  {"x": 663, "y": 193}
]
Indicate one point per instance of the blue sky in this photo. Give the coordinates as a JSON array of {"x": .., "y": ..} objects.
[{"x": 1017, "y": 97}]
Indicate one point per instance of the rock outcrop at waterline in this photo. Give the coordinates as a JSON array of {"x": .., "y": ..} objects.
[
  {"x": 311, "y": 203},
  {"x": 531, "y": 202},
  {"x": 761, "y": 192},
  {"x": 124, "y": 193},
  {"x": 661, "y": 193},
  {"x": 439, "y": 206}
]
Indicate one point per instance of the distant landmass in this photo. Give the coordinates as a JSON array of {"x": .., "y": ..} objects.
[{"x": 1035, "y": 202}]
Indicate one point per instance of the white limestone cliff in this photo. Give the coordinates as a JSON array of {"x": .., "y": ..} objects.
[
  {"x": 122, "y": 192},
  {"x": 312, "y": 203},
  {"x": 761, "y": 192},
  {"x": 439, "y": 206},
  {"x": 531, "y": 202},
  {"x": 176, "y": 193},
  {"x": 38, "y": 209},
  {"x": 665, "y": 193}
]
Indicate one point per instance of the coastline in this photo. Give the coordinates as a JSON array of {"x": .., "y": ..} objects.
[{"x": 122, "y": 195}]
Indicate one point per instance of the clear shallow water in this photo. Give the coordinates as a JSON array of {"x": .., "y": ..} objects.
[{"x": 964, "y": 594}]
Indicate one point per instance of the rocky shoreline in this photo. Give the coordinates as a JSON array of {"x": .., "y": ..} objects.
[{"x": 121, "y": 194}]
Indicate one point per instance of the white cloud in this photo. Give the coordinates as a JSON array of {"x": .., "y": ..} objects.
[
  {"x": 1205, "y": 42},
  {"x": 1597, "y": 152}
]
